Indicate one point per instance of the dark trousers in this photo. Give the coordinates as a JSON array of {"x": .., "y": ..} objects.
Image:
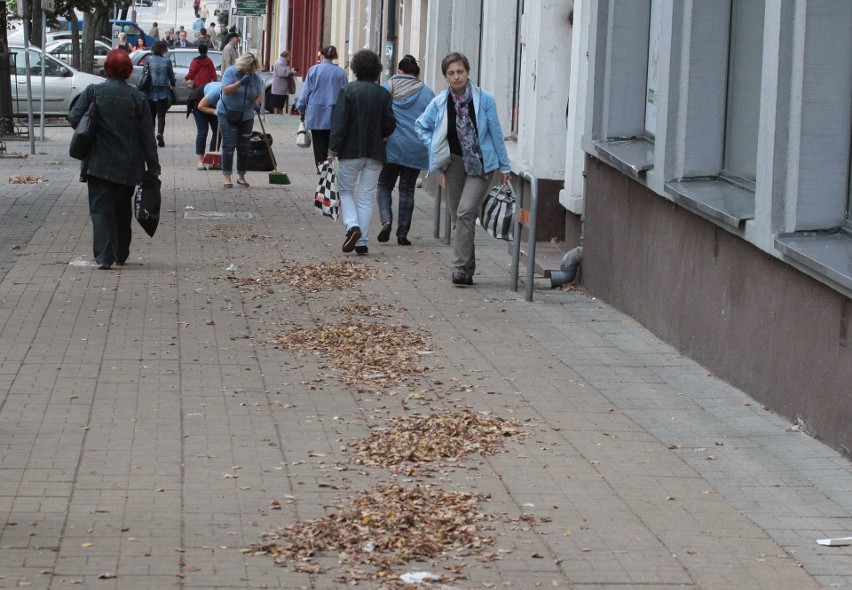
[
  {"x": 407, "y": 184},
  {"x": 203, "y": 122},
  {"x": 319, "y": 141},
  {"x": 158, "y": 113},
  {"x": 111, "y": 210}
]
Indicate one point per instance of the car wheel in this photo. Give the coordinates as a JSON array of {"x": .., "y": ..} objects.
[{"x": 267, "y": 100}]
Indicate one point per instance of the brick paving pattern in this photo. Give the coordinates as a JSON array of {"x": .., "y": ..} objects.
[{"x": 147, "y": 427}]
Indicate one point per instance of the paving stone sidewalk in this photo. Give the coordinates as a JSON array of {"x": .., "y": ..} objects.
[{"x": 151, "y": 431}]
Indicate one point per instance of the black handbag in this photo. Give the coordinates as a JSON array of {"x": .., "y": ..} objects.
[
  {"x": 145, "y": 81},
  {"x": 84, "y": 132}
]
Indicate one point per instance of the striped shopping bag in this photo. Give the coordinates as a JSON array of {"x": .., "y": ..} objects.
[{"x": 498, "y": 212}]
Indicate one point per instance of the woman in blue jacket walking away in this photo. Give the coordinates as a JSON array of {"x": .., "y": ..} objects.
[
  {"x": 407, "y": 155},
  {"x": 162, "y": 81},
  {"x": 465, "y": 142},
  {"x": 319, "y": 95}
]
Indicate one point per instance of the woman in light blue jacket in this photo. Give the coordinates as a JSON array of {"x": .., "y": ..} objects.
[
  {"x": 318, "y": 97},
  {"x": 465, "y": 141},
  {"x": 407, "y": 155}
]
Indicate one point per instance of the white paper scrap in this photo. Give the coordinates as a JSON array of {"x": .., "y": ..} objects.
[
  {"x": 418, "y": 577},
  {"x": 836, "y": 542}
]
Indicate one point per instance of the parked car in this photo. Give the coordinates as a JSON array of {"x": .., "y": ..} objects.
[
  {"x": 63, "y": 84},
  {"x": 62, "y": 50},
  {"x": 181, "y": 58}
]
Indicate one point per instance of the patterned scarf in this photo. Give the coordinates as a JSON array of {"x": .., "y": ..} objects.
[{"x": 466, "y": 131}]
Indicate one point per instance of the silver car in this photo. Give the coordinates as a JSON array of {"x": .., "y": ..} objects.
[
  {"x": 63, "y": 84},
  {"x": 62, "y": 50}
]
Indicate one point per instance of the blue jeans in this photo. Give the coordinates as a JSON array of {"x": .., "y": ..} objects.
[
  {"x": 366, "y": 172},
  {"x": 235, "y": 136},
  {"x": 111, "y": 210},
  {"x": 407, "y": 183},
  {"x": 203, "y": 121}
]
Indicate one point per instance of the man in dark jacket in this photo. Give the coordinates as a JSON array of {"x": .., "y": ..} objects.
[{"x": 363, "y": 119}]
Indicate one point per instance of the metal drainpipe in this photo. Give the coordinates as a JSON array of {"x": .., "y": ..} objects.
[{"x": 516, "y": 254}]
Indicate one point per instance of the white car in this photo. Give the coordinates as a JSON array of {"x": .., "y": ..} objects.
[
  {"x": 62, "y": 50},
  {"x": 63, "y": 84}
]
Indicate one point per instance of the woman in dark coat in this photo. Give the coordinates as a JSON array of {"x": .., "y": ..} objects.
[
  {"x": 363, "y": 119},
  {"x": 124, "y": 147}
]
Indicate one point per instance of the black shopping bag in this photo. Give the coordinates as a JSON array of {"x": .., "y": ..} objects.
[{"x": 146, "y": 203}]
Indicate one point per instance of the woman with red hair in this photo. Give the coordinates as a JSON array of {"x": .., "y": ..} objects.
[{"x": 124, "y": 146}]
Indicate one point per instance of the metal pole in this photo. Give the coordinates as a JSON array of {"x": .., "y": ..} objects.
[
  {"x": 437, "y": 230},
  {"x": 43, "y": 59},
  {"x": 29, "y": 80},
  {"x": 516, "y": 244},
  {"x": 532, "y": 231}
]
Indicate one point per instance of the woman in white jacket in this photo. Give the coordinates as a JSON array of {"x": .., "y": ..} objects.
[{"x": 465, "y": 141}]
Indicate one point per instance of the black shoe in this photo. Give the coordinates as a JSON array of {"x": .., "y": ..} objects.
[
  {"x": 461, "y": 280},
  {"x": 352, "y": 236},
  {"x": 361, "y": 250},
  {"x": 384, "y": 235},
  {"x": 403, "y": 241},
  {"x": 160, "y": 141},
  {"x": 104, "y": 266}
]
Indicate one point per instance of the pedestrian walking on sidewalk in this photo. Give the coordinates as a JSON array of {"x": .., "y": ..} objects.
[
  {"x": 462, "y": 130},
  {"x": 283, "y": 84},
  {"x": 202, "y": 72},
  {"x": 317, "y": 100},
  {"x": 123, "y": 148},
  {"x": 230, "y": 53},
  {"x": 407, "y": 155},
  {"x": 162, "y": 81},
  {"x": 240, "y": 100},
  {"x": 363, "y": 120}
]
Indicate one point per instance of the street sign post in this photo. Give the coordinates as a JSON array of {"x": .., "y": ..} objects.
[{"x": 249, "y": 8}]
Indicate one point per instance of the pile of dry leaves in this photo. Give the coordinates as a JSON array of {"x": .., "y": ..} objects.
[
  {"x": 312, "y": 278},
  {"x": 24, "y": 180},
  {"x": 386, "y": 527},
  {"x": 411, "y": 441},
  {"x": 362, "y": 350}
]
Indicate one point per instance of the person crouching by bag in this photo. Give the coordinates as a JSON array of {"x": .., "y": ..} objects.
[
  {"x": 124, "y": 146},
  {"x": 465, "y": 141},
  {"x": 241, "y": 88},
  {"x": 202, "y": 71},
  {"x": 205, "y": 116}
]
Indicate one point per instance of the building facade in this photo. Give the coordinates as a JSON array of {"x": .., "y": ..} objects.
[{"x": 699, "y": 150}]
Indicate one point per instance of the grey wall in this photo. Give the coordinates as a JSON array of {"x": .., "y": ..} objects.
[{"x": 751, "y": 319}]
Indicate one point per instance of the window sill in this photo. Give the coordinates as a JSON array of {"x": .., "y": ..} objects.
[
  {"x": 632, "y": 156},
  {"x": 716, "y": 198},
  {"x": 828, "y": 254}
]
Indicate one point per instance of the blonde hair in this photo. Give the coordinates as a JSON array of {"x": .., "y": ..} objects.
[{"x": 245, "y": 61}]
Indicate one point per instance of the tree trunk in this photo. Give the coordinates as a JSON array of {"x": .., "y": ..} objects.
[
  {"x": 7, "y": 125},
  {"x": 76, "y": 59},
  {"x": 35, "y": 30}
]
